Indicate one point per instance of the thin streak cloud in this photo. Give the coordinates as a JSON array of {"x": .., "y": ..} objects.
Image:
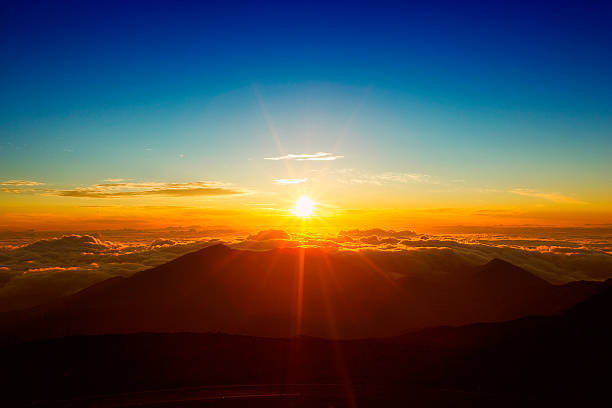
[
  {"x": 352, "y": 176},
  {"x": 126, "y": 190},
  {"x": 320, "y": 156},
  {"x": 21, "y": 183},
  {"x": 290, "y": 181},
  {"x": 554, "y": 197}
]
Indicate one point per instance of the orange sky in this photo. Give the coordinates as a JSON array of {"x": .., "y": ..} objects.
[{"x": 88, "y": 214}]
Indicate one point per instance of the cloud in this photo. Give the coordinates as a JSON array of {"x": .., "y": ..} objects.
[
  {"x": 34, "y": 269},
  {"x": 113, "y": 180},
  {"x": 113, "y": 188},
  {"x": 375, "y": 240},
  {"x": 352, "y": 176},
  {"x": 554, "y": 197},
  {"x": 20, "y": 183},
  {"x": 320, "y": 156},
  {"x": 378, "y": 232},
  {"x": 557, "y": 260},
  {"x": 14, "y": 190},
  {"x": 290, "y": 181},
  {"x": 392, "y": 177},
  {"x": 162, "y": 243},
  {"x": 68, "y": 244},
  {"x": 269, "y": 234},
  {"x": 53, "y": 269},
  {"x": 48, "y": 268},
  {"x": 123, "y": 190}
]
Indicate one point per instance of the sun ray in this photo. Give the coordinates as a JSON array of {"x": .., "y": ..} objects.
[{"x": 324, "y": 277}]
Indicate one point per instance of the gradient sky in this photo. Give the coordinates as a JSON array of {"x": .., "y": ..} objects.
[{"x": 429, "y": 114}]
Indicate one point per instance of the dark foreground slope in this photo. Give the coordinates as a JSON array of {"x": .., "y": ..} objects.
[
  {"x": 541, "y": 361},
  {"x": 337, "y": 295}
]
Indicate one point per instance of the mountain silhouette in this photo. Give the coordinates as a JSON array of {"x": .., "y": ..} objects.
[
  {"x": 499, "y": 273},
  {"x": 560, "y": 360},
  {"x": 286, "y": 292}
]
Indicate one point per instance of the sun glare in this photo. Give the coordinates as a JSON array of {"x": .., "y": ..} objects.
[{"x": 303, "y": 207}]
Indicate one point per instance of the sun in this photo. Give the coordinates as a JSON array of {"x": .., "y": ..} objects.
[{"x": 304, "y": 207}]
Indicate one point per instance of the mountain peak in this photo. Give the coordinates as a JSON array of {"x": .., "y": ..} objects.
[
  {"x": 191, "y": 260},
  {"x": 505, "y": 272},
  {"x": 497, "y": 263},
  {"x": 215, "y": 248}
]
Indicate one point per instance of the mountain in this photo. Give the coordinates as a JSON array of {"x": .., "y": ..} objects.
[
  {"x": 336, "y": 294},
  {"x": 501, "y": 274},
  {"x": 561, "y": 360}
]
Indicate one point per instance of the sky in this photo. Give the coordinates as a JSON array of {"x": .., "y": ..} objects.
[{"x": 427, "y": 114}]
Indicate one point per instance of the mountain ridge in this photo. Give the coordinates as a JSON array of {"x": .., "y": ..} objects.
[
  {"x": 344, "y": 295},
  {"x": 531, "y": 361}
]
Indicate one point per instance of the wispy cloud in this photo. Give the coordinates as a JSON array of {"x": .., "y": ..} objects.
[
  {"x": 113, "y": 180},
  {"x": 352, "y": 176},
  {"x": 320, "y": 156},
  {"x": 20, "y": 183},
  {"x": 392, "y": 177},
  {"x": 52, "y": 269},
  {"x": 290, "y": 181},
  {"x": 16, "y": 190},
  {"x": 554, "y": 197},
  {"x": 126, "y": 190}
]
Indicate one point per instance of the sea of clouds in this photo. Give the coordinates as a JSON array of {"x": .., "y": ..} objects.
[{"x": 37, "y": 267}]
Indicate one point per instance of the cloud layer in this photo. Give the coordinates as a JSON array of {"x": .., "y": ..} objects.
[
  {"x": 558, "y": 260},
  {"x": 34, "y": 270},
  {"x": 48, "y": 268}
]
